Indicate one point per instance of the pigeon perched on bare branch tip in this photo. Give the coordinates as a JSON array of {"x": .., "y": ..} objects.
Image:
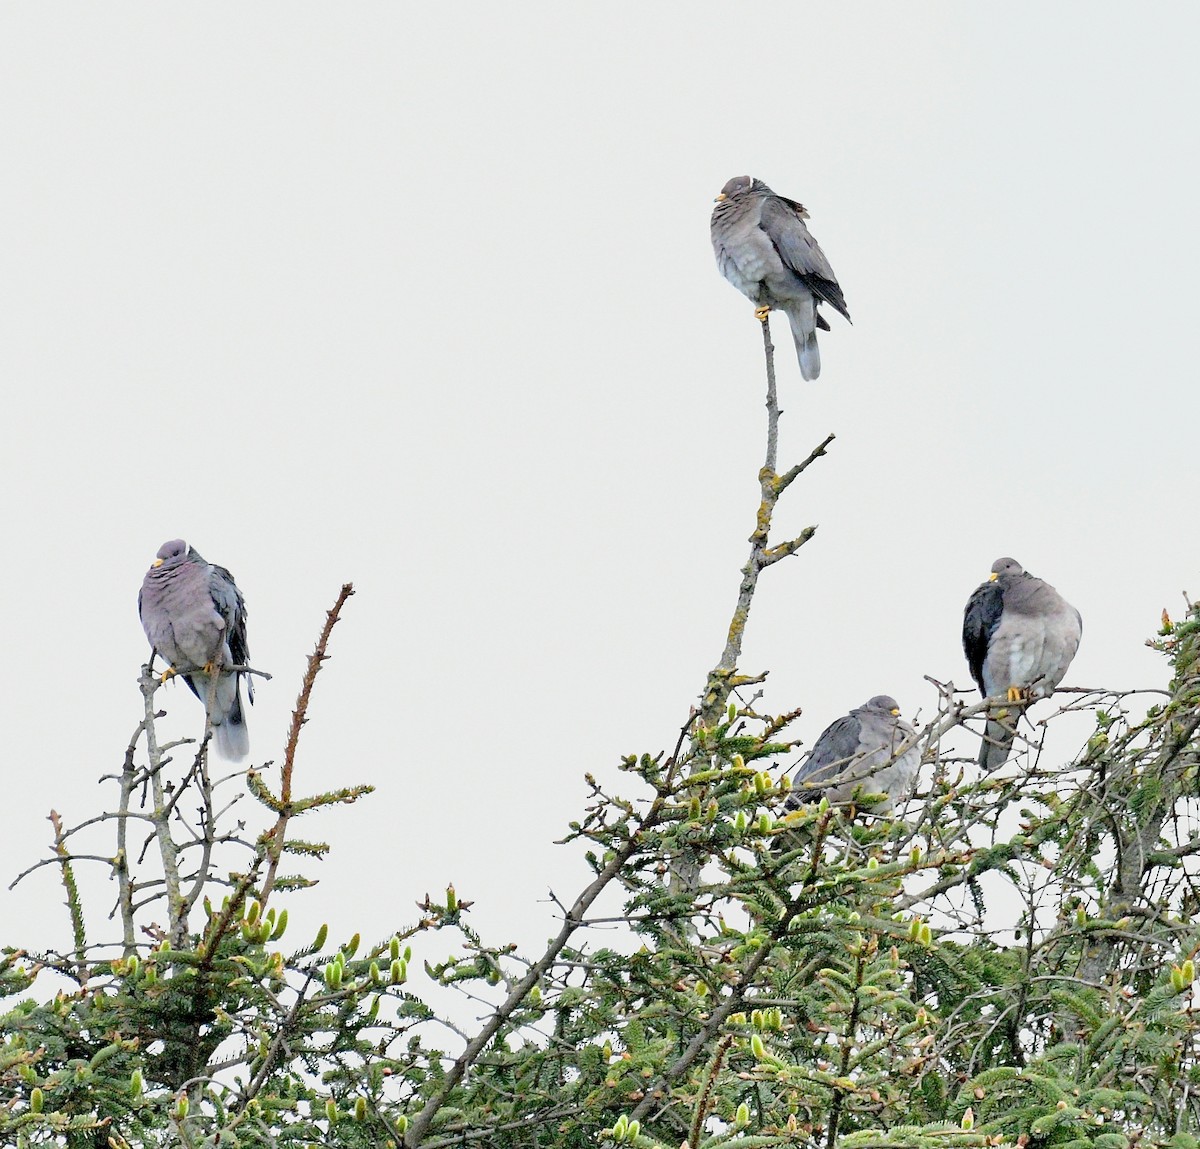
[
  {"x": 195, "y": 618},
  {"x": 765, "y": 250}
]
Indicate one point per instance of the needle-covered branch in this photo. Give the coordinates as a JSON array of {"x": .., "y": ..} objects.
[{"x": 1000, "y": 959}]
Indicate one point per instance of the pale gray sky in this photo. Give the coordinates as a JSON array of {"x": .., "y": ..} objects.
[{"x": 422, "y": 297}]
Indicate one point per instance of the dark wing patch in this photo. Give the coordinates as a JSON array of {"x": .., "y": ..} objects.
[
  {"x": 800, "y": 252},
  {"x": 980, "y": 620},
  {"x": 798, "y": 208},
  {"x": 839, "y": 742},
  {"x": 232, "y": 607}
]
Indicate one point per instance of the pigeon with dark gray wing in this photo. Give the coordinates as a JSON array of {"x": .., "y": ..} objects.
[
  {"x": 1019, "y": 636},
  {"x": 764, "y": 249},
  {"x": 194, "y": 617},
  {"x": 870, "y": 750}
]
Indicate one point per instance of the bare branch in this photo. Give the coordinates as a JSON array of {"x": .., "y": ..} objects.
[
  {"x": 771, "y": 486},
  {"x": 274, "y": 837}
]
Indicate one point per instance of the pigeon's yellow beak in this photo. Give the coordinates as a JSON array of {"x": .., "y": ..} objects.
[
  {"x": 721, "y": 198},
  {"x": 157, "y": 563},
  {"x": 993, "y": 577},
  {"x": 895, "y": 712}
]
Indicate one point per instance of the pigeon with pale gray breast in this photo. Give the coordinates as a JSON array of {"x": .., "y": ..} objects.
[
  {"x": 871, "y": 750},
  {"x": 194, "y": 617},
  {"x": 1019, "y": 636},
  {"x": 764, "y": 249}
]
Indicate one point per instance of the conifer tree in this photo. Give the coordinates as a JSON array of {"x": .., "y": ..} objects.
[{"x": 1006, "y": 960}]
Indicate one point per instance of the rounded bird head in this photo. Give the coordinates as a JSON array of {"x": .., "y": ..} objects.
[
  {"x": 885, "y": 703},
  {"x": 1005, "y": 566},
  {"x": 170, "y": 554},
  {"x": 740, "y": 186}
]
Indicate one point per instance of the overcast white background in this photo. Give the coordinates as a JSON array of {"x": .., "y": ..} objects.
[{"x": 422, "y": 297}]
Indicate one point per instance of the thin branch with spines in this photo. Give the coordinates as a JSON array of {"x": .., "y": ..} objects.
[{"x": 273, "y": 839}]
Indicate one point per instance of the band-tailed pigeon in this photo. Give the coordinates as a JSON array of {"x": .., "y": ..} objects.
[
  {"x": 766, "y": 252},
  {"x": 859, "y": 752},
  {"x": 194, "y": 616},
  {"x": 1019, "y": 635}
]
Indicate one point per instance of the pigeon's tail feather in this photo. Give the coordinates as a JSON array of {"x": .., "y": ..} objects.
[
  {"x": 804, "y": 332},
  {"x": 232, "y": 736},
  {"x": 228, "y": 720},
  {"x": 997, "y": 742}
]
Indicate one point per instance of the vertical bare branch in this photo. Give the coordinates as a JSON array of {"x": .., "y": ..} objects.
[
  {"x": 160, "y": 815},
  {"x": 723, "y": 678},
  {"x": 208, "y": 834},
  {"x": 121, "y": 857}
]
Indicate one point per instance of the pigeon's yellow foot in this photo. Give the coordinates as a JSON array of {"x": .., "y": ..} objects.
[
  {"x": 761, "y": 313},
  {"x": 210, "y": 668},
  {"x": 170, "y": 672},
  {"x": 1017, "y": 693}
]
